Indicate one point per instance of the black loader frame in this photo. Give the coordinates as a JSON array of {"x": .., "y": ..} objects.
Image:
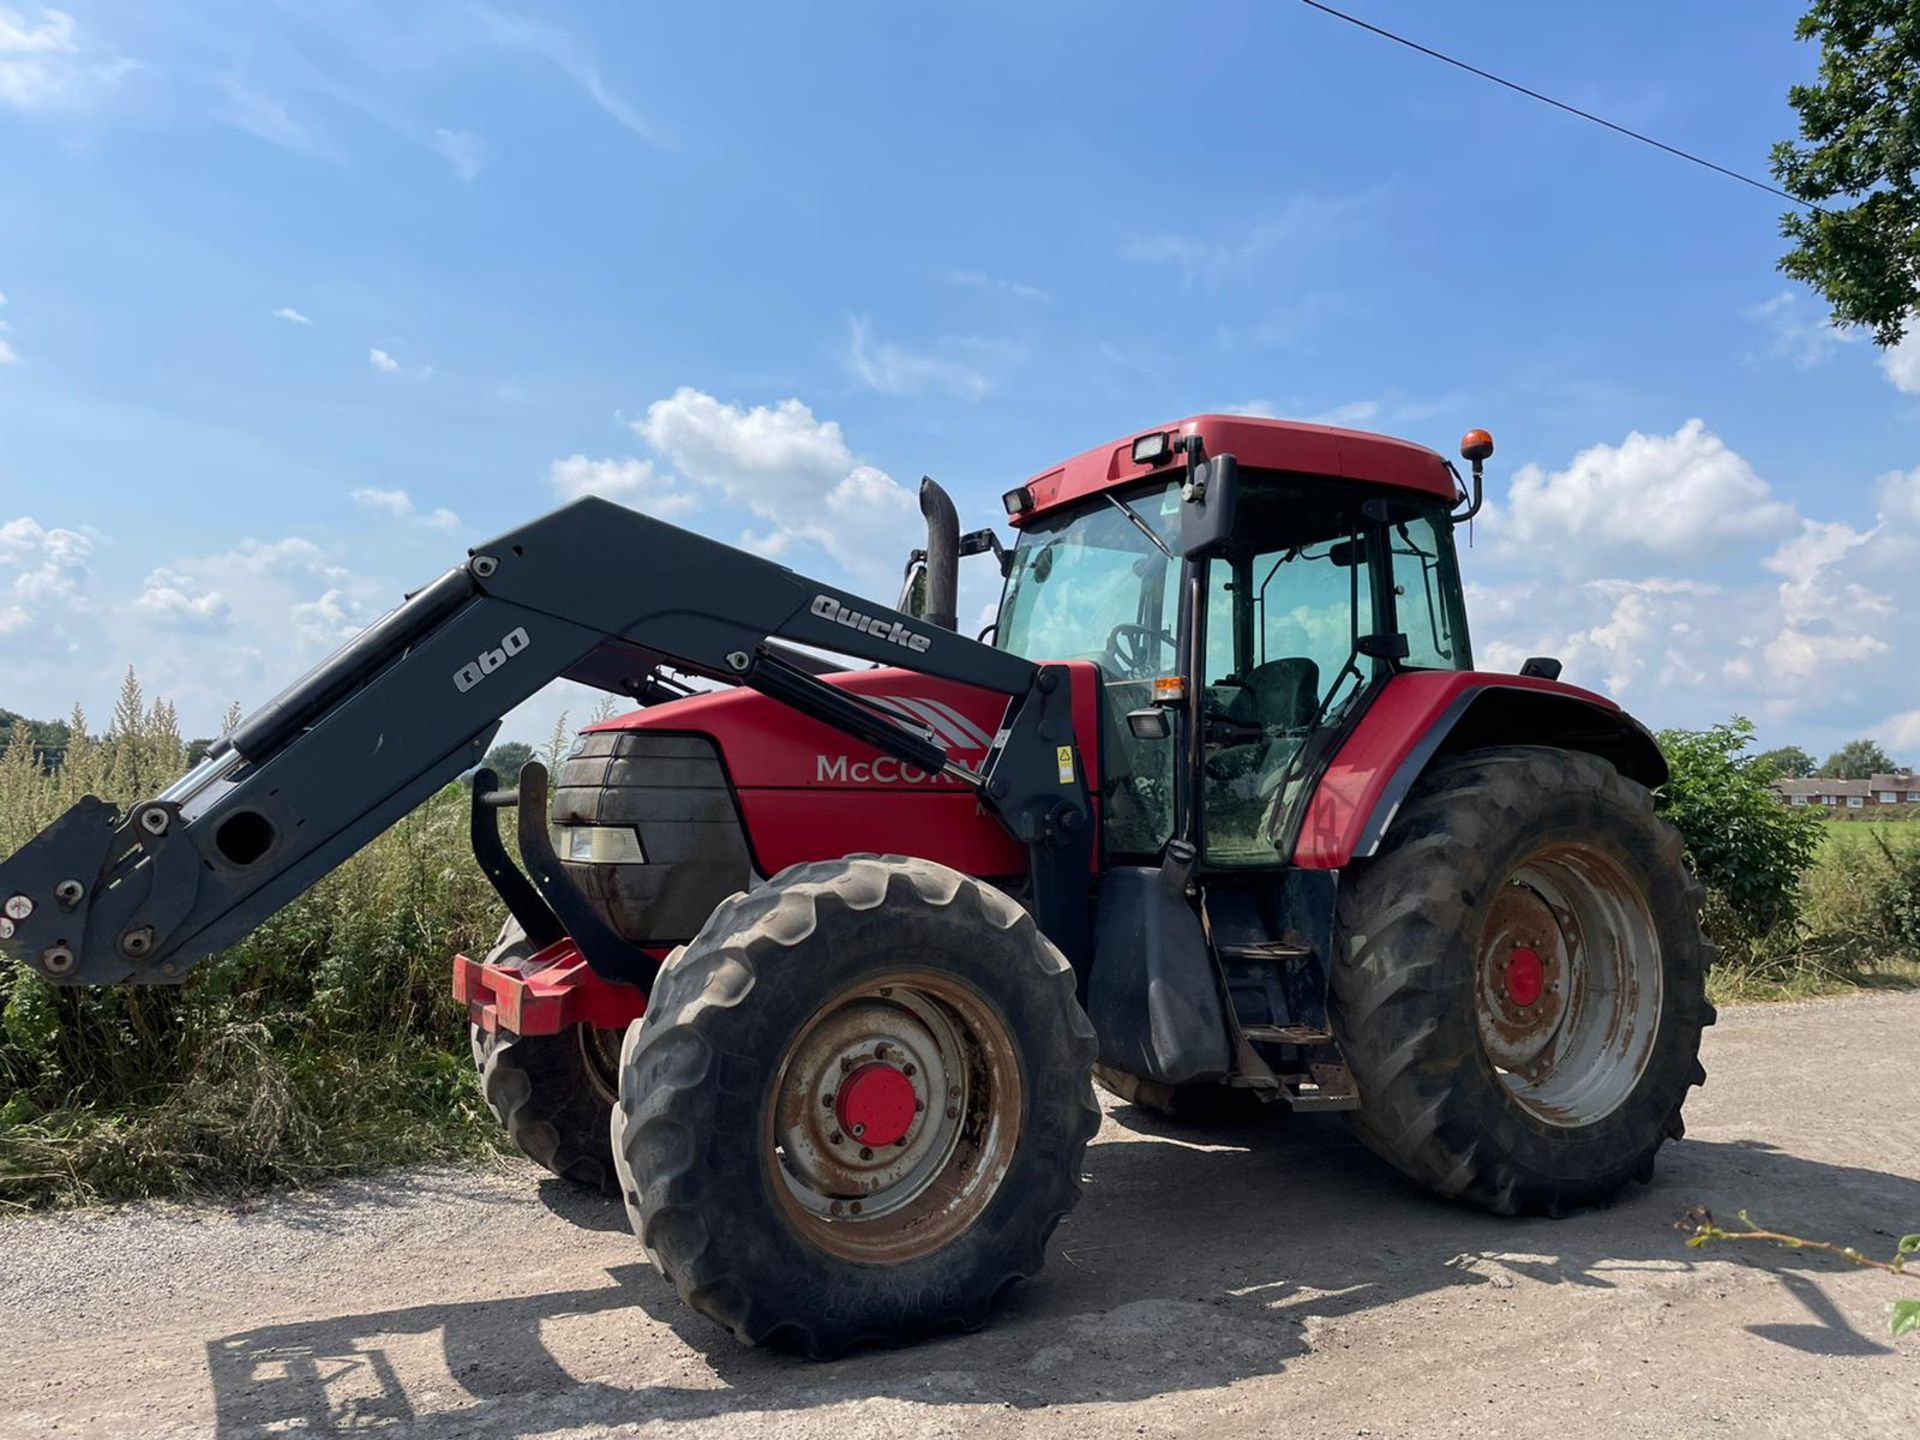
[{"x": 592, "y": 592}]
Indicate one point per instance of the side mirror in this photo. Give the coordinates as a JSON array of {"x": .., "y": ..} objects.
[{"x": 1206, "y": 517}]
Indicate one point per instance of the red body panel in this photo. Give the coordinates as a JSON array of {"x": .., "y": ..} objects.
[
  {"x": 809, "y": 792},
  {"x": 1257, "y": 444},
  {"x": 557, "y": 989},
  {"x": 1393, "y": 728}
]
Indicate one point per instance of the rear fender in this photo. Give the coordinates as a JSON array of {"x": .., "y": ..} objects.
[{"x": 1421, "y": 716}]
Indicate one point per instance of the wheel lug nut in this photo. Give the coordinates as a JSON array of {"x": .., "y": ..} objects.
[
  {"x": 918, "y": 1106},
  {"x": 901, "y": 1143},
  {"x": 846, "y": 1064},
  {"x": 827, "y": 1100},
  {"x": 855, "y": 1207},
  {"x": 907, "y": 1070},
  {"x": 865, "y": 1153},
  {"x": 834, "y": 1208},
  {"x": 880, "y": 1051},
  {"x": 834, "y": 1138},
  {"x": 953, "y": 1112}
]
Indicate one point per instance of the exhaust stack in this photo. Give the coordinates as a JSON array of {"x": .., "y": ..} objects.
[{"x": 943, "y": 555}]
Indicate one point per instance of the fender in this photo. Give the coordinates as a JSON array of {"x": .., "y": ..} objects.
[{"x": 1422, "y": 714}]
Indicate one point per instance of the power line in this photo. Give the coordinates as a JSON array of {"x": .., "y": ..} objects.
[{"x": 1673, "y": 150}]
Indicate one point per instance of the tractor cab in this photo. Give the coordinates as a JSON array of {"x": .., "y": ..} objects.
[{"x": 1236, "y": 647}]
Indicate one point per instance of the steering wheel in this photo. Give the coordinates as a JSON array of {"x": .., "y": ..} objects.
[{"x": 1128, "y": 649}]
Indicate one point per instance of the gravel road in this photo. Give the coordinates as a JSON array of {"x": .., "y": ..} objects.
[{"x": 1260, "y": 1279}]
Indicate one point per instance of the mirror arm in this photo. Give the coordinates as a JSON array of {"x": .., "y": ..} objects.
[{"x": 1479, "y": 495}]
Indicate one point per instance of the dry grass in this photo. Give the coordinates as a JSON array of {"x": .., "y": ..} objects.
[{"x": 325, "y": 1042}]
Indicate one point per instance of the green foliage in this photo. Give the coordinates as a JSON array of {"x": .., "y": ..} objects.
[
  {"x": 1903, "y": 1317},
  {"x": 1747, "y": 847},
  {"x": 506, "y": 759},
  {"x": 1857, "y": 760},
  {"x": 1787, "y": 762},
  {"x": 325, "y": 1041},
  {"x": 48, "y": 737},
  {"x": 1859, "y": 164},
  {"x": 1702, "y": 1229}
]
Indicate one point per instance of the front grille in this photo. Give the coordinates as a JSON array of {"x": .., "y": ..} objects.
[{"x": 673, "y": 791}]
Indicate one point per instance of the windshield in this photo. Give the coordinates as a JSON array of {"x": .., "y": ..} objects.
[{"x": 1089, "y": 585}]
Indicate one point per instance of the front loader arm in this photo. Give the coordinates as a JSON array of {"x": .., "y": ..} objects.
[{"x": 593, "y": 592}]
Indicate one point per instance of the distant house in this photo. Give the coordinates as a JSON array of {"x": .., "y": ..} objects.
[{"x": 1869, "y": 794}]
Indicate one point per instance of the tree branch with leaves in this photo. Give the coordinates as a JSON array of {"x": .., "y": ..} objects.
[{"x": 1856, "y": 165}]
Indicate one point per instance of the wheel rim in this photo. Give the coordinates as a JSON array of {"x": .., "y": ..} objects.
[
  {"x": 896, "y": 1117},
  {"x": 1568, "y": 993},
  {"x": 600, "y": 1058}
]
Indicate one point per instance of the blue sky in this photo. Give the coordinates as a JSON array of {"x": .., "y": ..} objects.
[{"x": 303, "y": 300}]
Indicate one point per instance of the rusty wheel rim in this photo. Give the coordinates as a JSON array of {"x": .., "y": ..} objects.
[
  {"x": 1568, "y": 992},
  {"x": 600, "y": 1058},
  {"x": 857, "y": 1171}
]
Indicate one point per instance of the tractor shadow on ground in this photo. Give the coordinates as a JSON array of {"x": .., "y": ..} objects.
[{"x": 1197, "y": 1258}]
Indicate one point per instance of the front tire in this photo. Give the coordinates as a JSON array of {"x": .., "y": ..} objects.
[
  {"x": 1520, "y": 988},
  {"x": 553, "y": 1094},
  {"x": 857, "y": 1106}
]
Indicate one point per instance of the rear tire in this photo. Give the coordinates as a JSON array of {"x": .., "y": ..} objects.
[
  {"x": 734, "y": 1133},
  {"x": 553, "y": 1094},
  {"x": 1520, "y": 988}
]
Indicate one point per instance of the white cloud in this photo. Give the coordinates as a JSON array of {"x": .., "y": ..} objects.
[
  {"x": 464, "y": 151},
  {"x": 45, "y": 579},
  {"x": 1901, "y": 733},
  {"x": 1354, "y": 412},
  {"x": 994, "y": 285},
  {"x": 44, "y": 65},
  {"x": 1804, "y": 340},
  {"x": 1901, "y": 364},
  {"x": 759, "y": 454},
  {"x": 399, "y": 504},
  {"x": 556, "y": 47},
  {"x": 1684, "y": 496},
  {"x": 893, "y": 370},
  {"x": 181, "y": 600},
  {"x": 791, "y": 470},
  {"x": 1810, "y": 634},
  {"x": 1211, "y": 261},
  {"x": 632, "y": 482},
  {"x": 8, "y": 355},
  {"x": 381, "y": 360},
  {"x": 291, "y": 316},
  {"x": 266, "y": 117}
]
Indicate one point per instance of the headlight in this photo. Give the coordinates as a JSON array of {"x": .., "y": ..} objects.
[{"x": 598, "y": 844}]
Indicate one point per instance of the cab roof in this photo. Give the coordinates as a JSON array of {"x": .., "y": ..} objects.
[{"x": 1258, "y": 445}]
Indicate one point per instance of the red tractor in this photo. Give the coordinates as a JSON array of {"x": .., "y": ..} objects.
[{"x": 833, "y": 949}]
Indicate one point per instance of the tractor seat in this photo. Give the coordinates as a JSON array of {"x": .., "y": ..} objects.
[{"x": 1281, "y": 692}]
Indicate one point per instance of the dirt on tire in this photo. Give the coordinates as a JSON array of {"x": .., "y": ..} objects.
[
  {"x": 695, "y": 1127},
  {"x": 1405, "y": 989}
]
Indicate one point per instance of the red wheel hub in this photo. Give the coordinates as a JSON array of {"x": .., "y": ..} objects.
[
  {"x": 876, "y": 1105},
  {"x": 1526, "y": 976}
]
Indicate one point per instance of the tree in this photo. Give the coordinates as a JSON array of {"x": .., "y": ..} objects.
[
  {"x": 1742, "y": 842},
  {"x": 1859, "y": 166},
  {"x": 1857, "y": 760},
  {"x": 506, "y": 759},
  {"x": 1789, "y": 762}
]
